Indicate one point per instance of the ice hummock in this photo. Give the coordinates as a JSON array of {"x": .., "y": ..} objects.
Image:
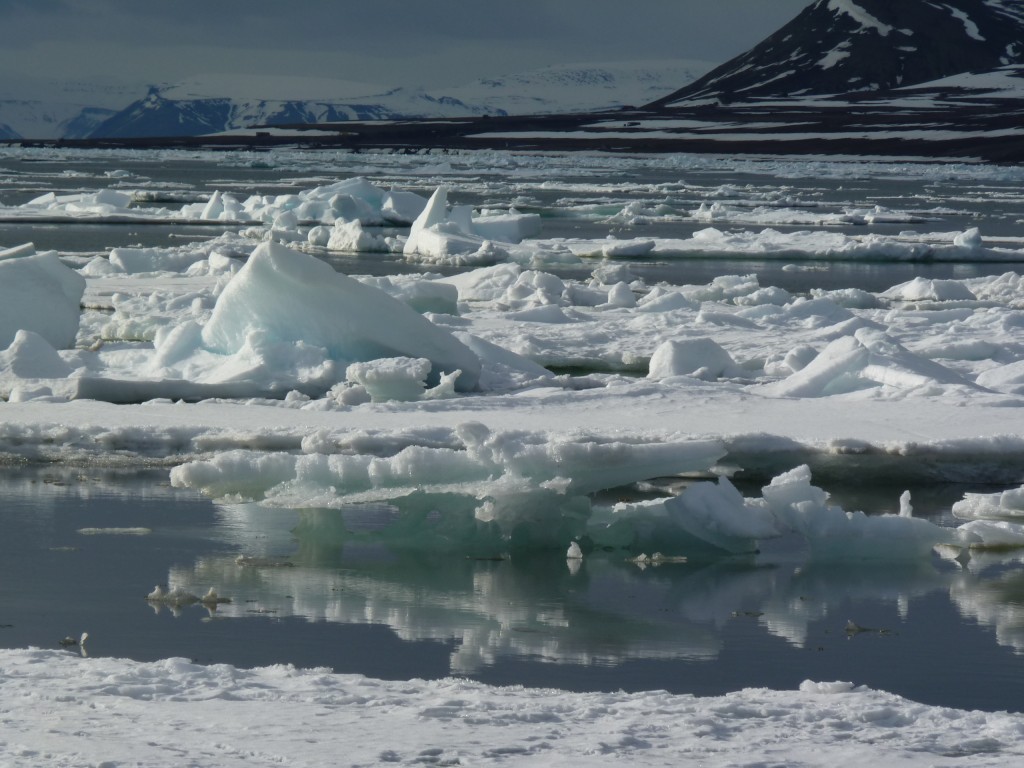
[
  {"x": 286, "y": 296},
  {"x": 38, "y": 293},
  {"x": 456, "y": 237}
]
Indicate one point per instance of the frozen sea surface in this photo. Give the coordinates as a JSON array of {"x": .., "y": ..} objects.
[{"x": 774, "y": 404}]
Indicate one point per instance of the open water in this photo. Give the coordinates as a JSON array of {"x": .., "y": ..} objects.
[
  {"x": 933, "y": 631},
  {"x": 81, "y": 548}
]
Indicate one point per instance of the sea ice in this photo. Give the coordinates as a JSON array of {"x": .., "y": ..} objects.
[
  {"x": 456, "y": 237},
  {"x": 39, "y": 294},
  {"x": 865, "y": 360},
  {"x": 702, "y": 358},
  {"x": 290, "y": 297}
]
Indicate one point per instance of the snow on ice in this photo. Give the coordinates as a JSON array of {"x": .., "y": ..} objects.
[
  {"x": 63, "y": 709},
  {"x": 489, "y": 406}
]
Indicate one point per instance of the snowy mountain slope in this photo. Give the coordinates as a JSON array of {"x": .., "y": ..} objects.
[
  {"x": 157, "y": 115},
  {"x": 6, "y": 132},
  {"x": 38, "y": 108},
  {"x": 843, "y": 46},
  {"x": 216, "y": 103},
  {"x": 580, "y": 87},
  {"x": 1002, "y": 83}
]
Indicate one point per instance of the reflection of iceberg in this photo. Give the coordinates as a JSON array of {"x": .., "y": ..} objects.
[
  {"x": 812, "y": 592},
  {"x": 607, "y": 612},
  {"x": 997, "y": 602},
  {"x": 490, "y": 609}
]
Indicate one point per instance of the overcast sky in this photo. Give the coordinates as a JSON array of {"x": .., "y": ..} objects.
[{"x": 393, "y": 42}]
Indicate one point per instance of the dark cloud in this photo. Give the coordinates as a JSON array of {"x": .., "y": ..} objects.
[{"x": 397, "y": 41}]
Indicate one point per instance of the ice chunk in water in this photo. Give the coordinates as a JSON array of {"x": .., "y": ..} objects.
[{"x": 293, "y": 297}]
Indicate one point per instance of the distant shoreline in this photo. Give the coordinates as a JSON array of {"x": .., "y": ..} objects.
[{"x": 968, "y": 131}]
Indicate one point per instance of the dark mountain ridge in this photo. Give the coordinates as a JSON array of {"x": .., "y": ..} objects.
[
  {"x": 847, "y": 46},
  {"x": 895, "y": 78}
]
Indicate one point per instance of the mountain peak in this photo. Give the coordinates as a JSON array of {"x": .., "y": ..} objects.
[{"x": 843, "y": 46}]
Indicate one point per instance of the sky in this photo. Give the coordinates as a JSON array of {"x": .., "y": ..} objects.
[{"x": 392, "y": 42}]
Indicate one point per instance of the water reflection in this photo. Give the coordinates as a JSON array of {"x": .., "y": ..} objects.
[
  {"x": 323, "y": 588},
  {"x": 601, "y": 610},
  {"x": 993, "y": 596}
]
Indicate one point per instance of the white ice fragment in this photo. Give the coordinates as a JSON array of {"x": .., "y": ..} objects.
[
  {"x": 402, "y": 207},
  {"x": 30, "y": 356},
  {"x": 39, "y": 293},
  {"x": 131, "y": 261},
  {"x": 969, "y": 239},
  {"x": 292, "y": 297},
  {"x": 834, "y": 534},
  {"x": 868, "y": 358},
  {"x": 620, "y": 249},
  {"x": 484, "y": 283},
  {"x": 396, "y": 378},
  {"x": 423, "y": 295},
  {"x": 923, "y": 289},
  {"x": 214, "y": 207},
  {"x": 702, "y": 357},
  {"x": 991, "y": 506},
  {"x": 574, "y": 552},
  {"x": 18, "y": 251},
  {"x": 620, "y": 295},
  {"x": 992, "y": 534},
  {"x": 434, "y": 236},
  {"x": 906, "y": 508},
  {"x": 350, "y": 236}
]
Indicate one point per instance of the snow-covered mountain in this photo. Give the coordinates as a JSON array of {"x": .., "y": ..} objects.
[
  {"x": 844, "y": 46},
  {"x": 580, "y": 87},
  {"x": 38, "y": 108},
  {"x": 215, "y": 103}
]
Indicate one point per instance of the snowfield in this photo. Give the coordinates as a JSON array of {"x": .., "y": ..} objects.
[
  {"x": 59, "y": 709},
  {"x": 493, "y": 401}
]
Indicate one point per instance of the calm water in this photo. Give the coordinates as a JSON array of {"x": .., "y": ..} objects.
[
  {"x": 309, "y": 592},
  {"x": 316, "y": 588}
]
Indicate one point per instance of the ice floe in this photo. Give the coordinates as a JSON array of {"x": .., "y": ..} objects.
[{"x": 551, "y": 392}]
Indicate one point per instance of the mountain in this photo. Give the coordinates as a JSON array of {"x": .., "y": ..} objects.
[
  {"x": 849, "y": 46},
  {"x": 6, "y": 132},
  {"x": 40, "y": 108},
  {"x": 904, "y": 78},
  {"x": 159, "y": 115},
  {"x": 85, "y": 123},
  {"x": 212, "y": 104},
  {"x": 579, "y": 87}
]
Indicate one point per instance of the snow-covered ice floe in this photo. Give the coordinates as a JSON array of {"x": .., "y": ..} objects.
[
  {"x": 63, "y": 709},
  {"x": 504, "y": 408}
]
